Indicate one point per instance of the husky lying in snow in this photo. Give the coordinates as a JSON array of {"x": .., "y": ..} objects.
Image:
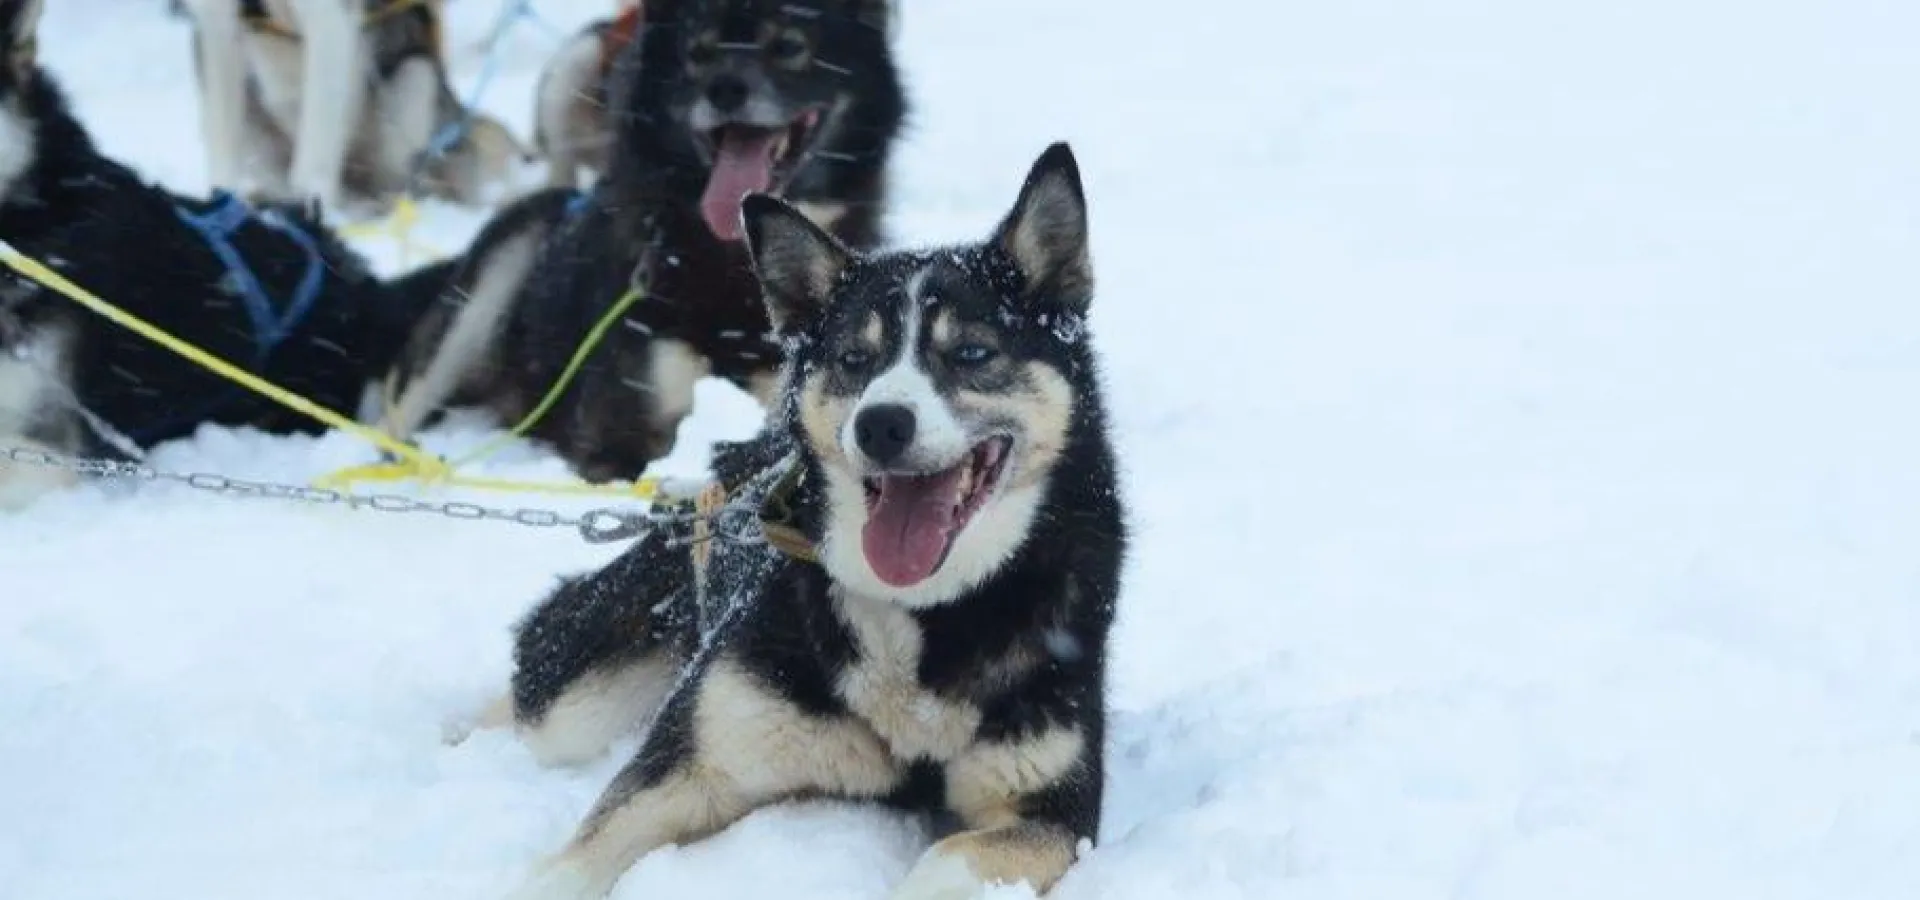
[
  {"x": 927, "y": 626},
  {"x": 268, "y": 288}
]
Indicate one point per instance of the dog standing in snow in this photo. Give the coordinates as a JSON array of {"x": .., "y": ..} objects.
[{"x": 340, "y": 101}]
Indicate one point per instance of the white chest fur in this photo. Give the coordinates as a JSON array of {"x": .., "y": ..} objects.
[{"x": 883, "y": 685}]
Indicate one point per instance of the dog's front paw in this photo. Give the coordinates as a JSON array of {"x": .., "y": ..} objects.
[
  {"x": 939, "y": 876},
  {"x": 560, "y": 880}
]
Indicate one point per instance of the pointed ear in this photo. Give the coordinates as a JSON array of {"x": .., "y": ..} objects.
[
  {"x": 1046, "y": 233},
  {"x": 796, "y": 262},
  {"x": 19, "y": 26}
]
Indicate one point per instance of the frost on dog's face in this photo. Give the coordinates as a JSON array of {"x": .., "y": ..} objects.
[
  {"x": 934, "y": 387},
  {"x": 19, "y": 22}
]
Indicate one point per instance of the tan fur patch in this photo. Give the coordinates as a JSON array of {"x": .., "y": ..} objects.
[
  {"x": 1044, "y": 409},
  {"x": 985, "y": 784},
  {"x": 1032, "y": 853},
  {"x": 944, "y": 329},
  {"x": 764, "y": 387},
  {"x": 597, "y": 710},
  {"x": 771, "y": 749},
  {"x": 820, "y": 417},
  {"x": 883, "y": 686}
]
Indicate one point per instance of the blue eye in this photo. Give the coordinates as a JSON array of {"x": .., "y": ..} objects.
[{"x": 971, "y": 354}]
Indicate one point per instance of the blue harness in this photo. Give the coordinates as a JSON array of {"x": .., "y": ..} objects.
[{"x": 271, "y": 325}]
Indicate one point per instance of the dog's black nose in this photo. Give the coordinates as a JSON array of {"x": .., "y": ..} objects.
[
  {"x": 884, "y": 432},
  {"x": 727, "y": 93}
]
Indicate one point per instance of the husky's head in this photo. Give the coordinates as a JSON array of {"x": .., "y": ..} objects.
[
  {"x": 936, "y": 392},
  {"x": 19, "y": 21},
  {"x": 756, "y": 96}
]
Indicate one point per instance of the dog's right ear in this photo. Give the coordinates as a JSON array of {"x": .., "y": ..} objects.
[
  {"x": 796, "y": 262},
  {"x": 19, "y": 25}
]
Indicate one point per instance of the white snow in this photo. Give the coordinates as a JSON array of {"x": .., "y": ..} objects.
[{"x": 1517, "y": 405}]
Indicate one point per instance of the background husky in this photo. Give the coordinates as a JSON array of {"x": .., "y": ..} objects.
[
  {"x": 337, "y": 101},
  {"x": 133, "y": 243},
  {"x": 936, "y": 639},
  {"x": 570, "y": 125},
  {"x": 716, "y": 99}
]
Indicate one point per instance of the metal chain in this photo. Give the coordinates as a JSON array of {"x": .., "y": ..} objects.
[{"x": 597, "y": 526}]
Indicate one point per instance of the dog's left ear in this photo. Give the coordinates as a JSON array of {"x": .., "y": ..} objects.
[
  {"x": 796, "y": 262},
  {"x": 19, "y": 25},
  {"x": 1046, "y": 233}
]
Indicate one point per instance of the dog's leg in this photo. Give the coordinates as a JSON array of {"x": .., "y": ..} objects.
[
  {"x": 222, "y": 68},
  {"x": 1027, "y": 801},
  {"x": 406, "y": 109},
  {"x": 966, "y": 865},
  {"x": 469, "y": 340},
  {"x": 594, "y": 660},
  {"x": 332, "y": 93},
  {"x": 723, "y": 747}
]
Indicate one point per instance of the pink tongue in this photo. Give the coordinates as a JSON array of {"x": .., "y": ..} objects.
[
  {"x": 743, "y": 164},
  {"x": 909, "y": 526}
]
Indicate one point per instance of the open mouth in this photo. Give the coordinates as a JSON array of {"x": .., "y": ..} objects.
[
  {"x": 913, "y": 520},
  {"x": 750, "y": 159}
]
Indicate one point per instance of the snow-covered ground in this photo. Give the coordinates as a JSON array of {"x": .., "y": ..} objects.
[{"x": 1517, "y": 404}]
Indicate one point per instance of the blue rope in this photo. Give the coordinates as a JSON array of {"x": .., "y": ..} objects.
[
  {"x": 452, "y": 133},
  {"x": 217, "y": 227}
]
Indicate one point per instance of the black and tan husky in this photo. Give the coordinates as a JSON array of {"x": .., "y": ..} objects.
[{"x": 923, "y": 621}]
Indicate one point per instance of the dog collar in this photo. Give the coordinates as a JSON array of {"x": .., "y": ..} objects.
[{"x": 777, "y": 518}]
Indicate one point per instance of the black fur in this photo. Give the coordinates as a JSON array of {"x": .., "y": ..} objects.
[
  {"x": 645, "y": 215},
  {"x": 120, "y": 237},
  {"x": 1026, "y": 646}
]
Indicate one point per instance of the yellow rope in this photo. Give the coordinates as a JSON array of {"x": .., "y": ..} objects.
[
  {"x": 414, "y": 462},
  {"x": 594, "y": 335},
  {"x": 397, "y": 226}
]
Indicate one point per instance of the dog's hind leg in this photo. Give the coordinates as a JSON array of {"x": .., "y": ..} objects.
[
  {"x": 467, "y": 342},
  {"x": 332, "y": 93},
  {"x": 593, "y": 661},
  {"x": 724, "y": 745},
  {"x": 221, "y": 66}
]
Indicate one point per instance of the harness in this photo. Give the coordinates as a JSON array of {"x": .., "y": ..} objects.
[{"x": 271, "y": 325}]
